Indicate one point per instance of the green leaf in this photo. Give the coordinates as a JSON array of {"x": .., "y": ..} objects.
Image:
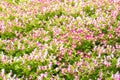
[
  {"x": 19, "y": 29},
  {"x": 89, "y": 11},
  {"x": 7, "y": 35},
  {"x": 85, "y": 46},
  {"x": 68, "y": 76},
  {"x": 111, "y": 42},
  {"x": 105, "y": 30},
  {"x": 118, "y": 40},
  {"x": 11, "y": 17},
  {"x": 1, "y": 9},
  {"x": 114, "y": 24},
  {"x": 118, "y": 17}
]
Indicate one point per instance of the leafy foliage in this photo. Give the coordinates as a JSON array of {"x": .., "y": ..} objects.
[
  {"x": 47, "y": 40},
  {"x": 85, "y": 46},
  {"x": 89, "y": 11},
  {"x": 118, "y": 17},
  {"x": 7, "y": 35}
]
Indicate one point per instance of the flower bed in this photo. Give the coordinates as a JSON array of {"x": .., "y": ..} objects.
[{"x": 60, "y": 40}]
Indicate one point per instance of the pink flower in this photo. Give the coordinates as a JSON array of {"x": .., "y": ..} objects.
[
  {"x": 9, "y": 23},
  {"x": 78, "y": 52},
  {"x": 3, "y": 58},
  {"x": 69, "y": 52},
  {"x": 114, "y": 14},
  {"x": 116, "y": 76},
  {"x": 2, "y": 26},
  {"x": 46, "y": 38},
  {"x": 111, "y": 1},
  {"x": 63, "y": 71},
  {"x": 76, "y": 78},
  {"x": 43, "y": 75},
  {"x": 69, "y": 69},
  {"x": 62, "y": 51},
  {"x": 88, "y": 37},
  {"x": 114, "y": 1},
  {"x": 101, "y": 18},
  {"x": 3, "y": 73},
  {"x": 101, "y": 35},
  {"x": 51, "y": 78},
  {"x": 72, "y": 31},
  {"x": 43, "y": 1},
  {"x": 56, "y": 31},
  {"x": 73, "y": 45},
  {"x": 110, "y": 35},
  {"x": 79, "y": 31}
]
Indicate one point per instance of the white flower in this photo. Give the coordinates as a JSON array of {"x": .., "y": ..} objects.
[{"x": 118, "y": 62}]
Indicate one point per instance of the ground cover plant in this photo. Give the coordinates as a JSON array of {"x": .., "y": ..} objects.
[{"x": 59, "y": 39}]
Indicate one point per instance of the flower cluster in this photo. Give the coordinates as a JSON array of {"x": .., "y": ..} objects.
[{"x": 60, "y": 40}]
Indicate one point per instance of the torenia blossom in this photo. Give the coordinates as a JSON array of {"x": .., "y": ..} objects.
[
  {"x": 114, "y": 14},
  {"x": 43, "y": 75},
  {"x": 110, "y": 35},
  {"x": 2, "y": 26},
  {"x": 100, "y": 76},
  {"x": 3, "y": 72},
  {"x": 118, "y": 62},
  {"x": 116, "y": 76},
  {"x": 76, "y": 78},
  {"x": 111, "y": 1},
  {"x": 56, "y": 31},
  {"x": 101, "y": 35},
  {"x": 3, "y": 59},
  {"x": 114, "y": 1},
  {"x": 88, "y": 37}
]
